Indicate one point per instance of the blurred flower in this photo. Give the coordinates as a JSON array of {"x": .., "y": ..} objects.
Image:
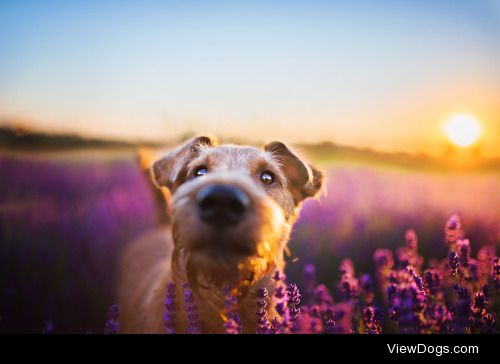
[
  {"x": 495, "y": 272},
  {"x": 367, "y": 289},
  {"x": 233, "y": 323},
  {"x": 372, "y": 323},
  {"x": 454, "y": 264},
  {"x": 293, "y": 306},
  {"x": 191, "y": 308},
  {"x": 112, "y": 325},
  {"x": 348, "y": 285},
  {"x": 439, "y": 317},
  {"x": 433, "y": 280},
  {"x": 309, "y": 281},
  {"x": 262, "y": 320},
  {"x": 485, "y": 257},
  {"x": 463, "y": 251},
  {"x": 402, "y": 258},
  {"x": 275, "y": 326},
  {"x": 347, "y": 268},
  {"x": 231, "y": 326},
  {"x": 462, "y": 310},
  {"x": 383, "y": 259},
  {"x": 280, "y": 300},
  {"x": 330, "y": 327},
  {"x": 411, "y": 240},
  {"x": 416, "y": 278},
  {"x": 453, "y": 230},
  {"x": 169, "y": 316},
  {"x": 48, "y": 327},
  {"x": 329, "y": 321},
  {"x": 473, "y": 271},
  {"x": 409, "y": 305},
  {"x": 315, "y": 319},
  {"x": 384, "y": 262},
  {"x": 322, "y": 295}
]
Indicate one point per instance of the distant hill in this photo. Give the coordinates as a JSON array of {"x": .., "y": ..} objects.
[
  {"x": 330, "y": 152},
  {"x": 19, "y": 138},
  {"x": 16, "y": 138}
]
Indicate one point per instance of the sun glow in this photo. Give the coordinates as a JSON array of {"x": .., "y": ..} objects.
[{"x": 462, "y": 130}]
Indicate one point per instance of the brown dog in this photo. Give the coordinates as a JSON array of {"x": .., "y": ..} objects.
[{"x": 232, "y": 211}]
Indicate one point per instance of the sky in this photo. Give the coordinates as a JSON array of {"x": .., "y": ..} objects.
[{"x": 382, "y": 74}]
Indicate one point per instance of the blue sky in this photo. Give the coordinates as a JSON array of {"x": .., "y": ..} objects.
[{"x": 383, "y": 74}]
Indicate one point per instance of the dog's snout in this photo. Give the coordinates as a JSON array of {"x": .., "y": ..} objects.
[{"x": 222, "y": 205}]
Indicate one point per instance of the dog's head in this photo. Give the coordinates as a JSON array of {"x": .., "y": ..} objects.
[{"x": 233, "y": 207}]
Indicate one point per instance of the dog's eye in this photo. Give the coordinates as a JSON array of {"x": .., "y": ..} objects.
[
  {"x": 200, "y": 171},
  {"x": 267, "y": 177}
]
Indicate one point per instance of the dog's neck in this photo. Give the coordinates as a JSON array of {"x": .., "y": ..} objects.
[{"x": 212, "y": 310}]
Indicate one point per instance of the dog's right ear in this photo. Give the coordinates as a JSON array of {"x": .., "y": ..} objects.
[
  {"x": 304, "y": 179},
  {"x": 169, "y": 170}
]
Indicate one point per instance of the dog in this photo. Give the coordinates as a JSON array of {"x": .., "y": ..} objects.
[{"x": 232, "y": 209}]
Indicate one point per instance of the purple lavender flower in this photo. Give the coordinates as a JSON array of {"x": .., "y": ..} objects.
[
  {"x": 348, "y": 285},
  {"x": 463, "y": 251},
  {"x": 347, "y": 268},
  {"x": 402, "y": 258},
  {"x": 383, "y": 259},
  {"x": 485, "y": 256},
  {"x": 322, "y": 295},
  {"x": 384, "y": 262},
  {"x": 233, "y": 323},
  {"x": 232, "y": 327},
  {"x": 280, "y": 299},
  {"x": 453, "y": 230},
  {"x": 409, "y": 307},
  {"x": 454, "y": 263},
  {"x": 462, "y": 310},
  {"x": 433, "y": 280},
  {"x": 371, "y": 321},
  {"x": 330, "y": 326},
  {"x": 191, "y": 310},
  {"x": 482, "y": 321},
  {"x": 315, "y": 319},
  {"x": 473, "y": 271},
  {"x": 309, "y": 280},
  {"x": 169, "y": 316},
  {"x": 329, "y": 322},
  {"x": 275, "y": 326},
  {"x": 495, "y": 272},
  {"x": 48, "y": 327},
  {"x": 411, "y": 240},
  {"x": 392, "y": 300},
  {"x": 367, "y": 288},
  {"x": 416, "y": 278},
  {"x": 112, "y": 325},
  {"x": 293, "y": 306},
  {"x": 439, "y": 318},
  {"x": 278, "y": 276},
  {"x": 262, "y": 320}
]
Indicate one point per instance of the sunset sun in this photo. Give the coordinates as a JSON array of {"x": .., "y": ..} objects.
[{"x": 462, "y": 130}]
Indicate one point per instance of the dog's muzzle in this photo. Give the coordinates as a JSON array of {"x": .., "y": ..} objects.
[{"x": 222, "y": 205}]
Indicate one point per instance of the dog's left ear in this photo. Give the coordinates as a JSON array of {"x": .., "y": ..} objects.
[
  {"x": 304, "y": 180},
  {"x": 169, "y": 170}
]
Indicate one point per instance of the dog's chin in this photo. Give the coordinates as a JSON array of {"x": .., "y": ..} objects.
[
  {"x": 223, "y": 249},
  {"x": 205, "y": 268},
  {"x": 209, "y": 266}
]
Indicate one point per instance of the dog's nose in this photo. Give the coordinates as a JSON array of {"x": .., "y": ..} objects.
[{"x": 222, "y": 205}]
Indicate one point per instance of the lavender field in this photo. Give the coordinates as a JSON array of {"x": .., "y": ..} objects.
[{"x": 64, "y": 221}]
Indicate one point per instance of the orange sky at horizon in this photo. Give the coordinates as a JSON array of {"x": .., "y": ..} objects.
[{"x": 383, "y": 75}]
